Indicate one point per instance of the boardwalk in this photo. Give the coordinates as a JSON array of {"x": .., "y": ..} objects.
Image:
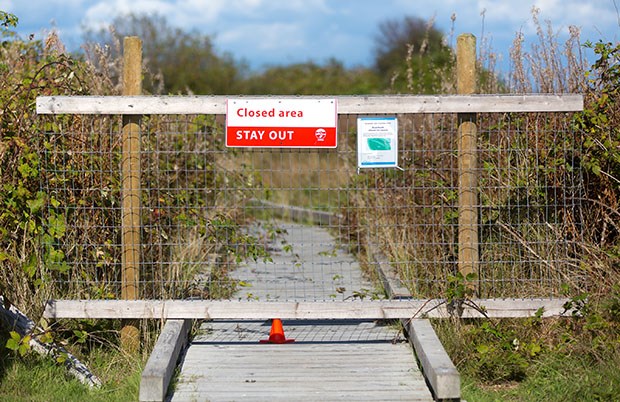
[
  {"x": 329, "y": 360},
  {"x": 307, "y": 265}
]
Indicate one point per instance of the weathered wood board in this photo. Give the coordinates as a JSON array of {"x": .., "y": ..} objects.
[
  {"x": 259, "y": 310},
  {"x": 346, "y": 104}
]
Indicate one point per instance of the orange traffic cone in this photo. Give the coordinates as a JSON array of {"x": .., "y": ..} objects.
[{"x": 276, "y": 335}]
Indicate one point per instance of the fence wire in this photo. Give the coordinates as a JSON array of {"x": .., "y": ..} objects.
[{"x": 299, "y": 224}]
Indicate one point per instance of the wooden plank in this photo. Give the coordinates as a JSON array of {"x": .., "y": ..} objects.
[
  {"x": 294, "y": 395},
  {"x": 312, "y": 271},
  {"x": 377, "y": 104},
  {"x": 392, "y": 284},
  {"x": 441, "y": 374},
  {"x": 304, "y": 386},
  {"x": 317, "y": 362},
  {"x": 438, "y": 369},
  {"x": 296, "y": 214},
  {"x": 251, "y": 310},
  {"x": 162, "y": 362}
]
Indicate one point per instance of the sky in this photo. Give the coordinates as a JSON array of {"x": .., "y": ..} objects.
[{"x": 278, "y": 32}]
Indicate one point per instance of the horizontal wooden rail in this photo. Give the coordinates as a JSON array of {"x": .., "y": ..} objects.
[
  {"x": 257, "y": 310},
  {"x": 378, "y": 104}
]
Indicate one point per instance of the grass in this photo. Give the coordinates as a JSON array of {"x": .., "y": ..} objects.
[
  {"x": 35, "y": 378},
  {"x": 555, "y": 377}
]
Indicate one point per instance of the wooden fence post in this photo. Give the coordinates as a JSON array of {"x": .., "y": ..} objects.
[
  {"x": 130, "y": 190},
  {"x": 468, "y": 257}
]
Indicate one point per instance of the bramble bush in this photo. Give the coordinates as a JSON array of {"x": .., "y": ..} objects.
[{"x": 29, "y": 69}]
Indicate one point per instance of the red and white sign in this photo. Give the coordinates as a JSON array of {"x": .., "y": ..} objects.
[{"x": 281, "y": 123}]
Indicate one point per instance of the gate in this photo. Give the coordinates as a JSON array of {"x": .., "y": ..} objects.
[{"x": 204, "y": 212}]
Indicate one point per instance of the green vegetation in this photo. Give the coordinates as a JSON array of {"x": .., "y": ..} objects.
[
  {"x": 33, "y": 378},
  {"x": 28, "y": 69},
  {"x": 178, "y": 62},
  {"x": 312, "y": 79},
  {"x": 411, "y": 57},
  {"x": 571, "y": 358}
]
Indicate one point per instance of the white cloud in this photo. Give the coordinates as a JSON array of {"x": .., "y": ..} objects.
[
  {"x": 504, "y": 12},
  {"x": 593, "y": 14},
  {"x": 101, "y": 14},
  {"x": 200, "y": 11},
  {"x": 278, "y": 36},
  {"x": 203, "y": 14}
]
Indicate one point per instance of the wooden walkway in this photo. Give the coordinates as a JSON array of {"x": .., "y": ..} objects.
[
  {"x": 329, "y": 360},
  {"x": 307, "y": 265}
]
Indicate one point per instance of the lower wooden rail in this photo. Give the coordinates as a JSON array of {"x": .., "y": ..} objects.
[{"x": 257, "y": 310}]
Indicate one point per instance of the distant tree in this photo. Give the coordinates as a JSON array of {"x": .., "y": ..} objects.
[
  {"x": 411, "y": 56},
  {"x": 187, "y": 61},
  {"x": 313, "y": 79}
]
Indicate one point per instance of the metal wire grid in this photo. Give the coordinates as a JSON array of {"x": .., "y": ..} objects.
[
  {"x": 306, "y": 331},
  {"x": 529, "y": 187},
  {"x": 209, "y": 214},
  {"x": 80, "y": 243}
]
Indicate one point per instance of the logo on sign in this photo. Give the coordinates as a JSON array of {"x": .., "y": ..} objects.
[{"x": 320, "y": 134}]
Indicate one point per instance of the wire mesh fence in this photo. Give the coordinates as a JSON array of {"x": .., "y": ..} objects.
[{"x": 299, "y": 224}]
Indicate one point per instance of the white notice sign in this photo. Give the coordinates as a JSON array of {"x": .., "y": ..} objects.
[{"x": 377, "y": 142}]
